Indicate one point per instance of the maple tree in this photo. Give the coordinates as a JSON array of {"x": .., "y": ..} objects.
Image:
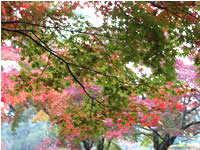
[
  {"x": 77, "y": 73},
  {"x": 178, "y": 117},
  {"x": 177, "y": 109}
]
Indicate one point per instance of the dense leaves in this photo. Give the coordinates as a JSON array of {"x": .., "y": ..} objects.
[{"x": 76, "y": 75}]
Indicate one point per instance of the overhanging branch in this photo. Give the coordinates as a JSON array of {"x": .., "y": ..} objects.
[
  {"x": 60, "y": 58},
  {"x": 47, "y": 27},
  {"x": 191, "y": 124},
  {"x": 165, "y": 8},
  {"x": 156, "y": 132}
]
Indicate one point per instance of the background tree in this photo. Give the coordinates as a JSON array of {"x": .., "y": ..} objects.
[{"x": 179, "y": 110}]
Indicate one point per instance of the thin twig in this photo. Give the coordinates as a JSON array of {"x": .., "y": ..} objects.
[
  {"x": 20, "y": 30},
  {"x": 48, "y": 27},
  {"x": 46, "y": 64},
  {"x": 165, "y": 8},
  {"x": 92, "y": 104}
]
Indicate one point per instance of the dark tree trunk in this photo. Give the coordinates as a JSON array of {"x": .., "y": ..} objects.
[
  {"x": 87, "y": 145},
  {"x": 100, "y": 146},
  {"x": 166, "y": 141},
  {"x": 109, "y": 144}
]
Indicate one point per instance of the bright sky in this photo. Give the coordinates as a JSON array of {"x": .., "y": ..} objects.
[{"x": 89, "y": 14}]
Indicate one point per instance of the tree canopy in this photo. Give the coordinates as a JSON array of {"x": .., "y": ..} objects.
[{"x": 77, "y": 73}]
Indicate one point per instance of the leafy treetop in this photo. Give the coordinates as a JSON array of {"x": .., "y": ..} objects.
[{"x": 78, "y": 74}]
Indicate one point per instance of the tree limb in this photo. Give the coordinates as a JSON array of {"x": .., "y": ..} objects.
[
  {"x": 47, "y": 27},
  {"x": 165, "y": 8},
  {"x": 60, "y": 58},
  {"x": 190, "y": 124},
  {"x": 156, "y": 132},
  {"x": 108, "y": 144}
]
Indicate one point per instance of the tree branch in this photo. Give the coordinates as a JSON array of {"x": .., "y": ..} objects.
[
  {"x": 92, "y": 104},
  {"x": 190, "y": 124},
  {"x": 60, "y": 58},
  {"x": 80, "y": 66},
  {"x": 108, "y": 144},
  {"x": 18, "y": 30},
  {"x": 156, "y": 132},
  {"x": 165, "y": 8},
  {"x": 46, "y": 64},
  {"x": 47, "y": 27},
  {"x": 193, "y": 109},
  {"x": 49, "y": 50}
]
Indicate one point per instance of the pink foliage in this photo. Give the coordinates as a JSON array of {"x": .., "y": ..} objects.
[
  {"x": 118, "y": 133},
  {"x": 114, "y": 134},
  {"x": 9, "y": 53},
  {"x": 187, "y": 73},
  {"x": 47, "y": 144},
  {"x": 108, "y": 122},
  {"x": 7, "y": 87},
  {"x": 2, "y": 145}
]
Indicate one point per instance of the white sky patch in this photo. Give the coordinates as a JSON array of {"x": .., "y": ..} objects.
[
  {"x": 8, "y": 65},
  {"x": 145, "y": 70},
  {"x": 89, "y": 14},
  {"x": 8, "y": 42},
  {"x": 186, "y": 60}
]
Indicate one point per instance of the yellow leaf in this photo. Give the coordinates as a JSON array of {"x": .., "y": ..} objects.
[{"x": 41, "y": 116}]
